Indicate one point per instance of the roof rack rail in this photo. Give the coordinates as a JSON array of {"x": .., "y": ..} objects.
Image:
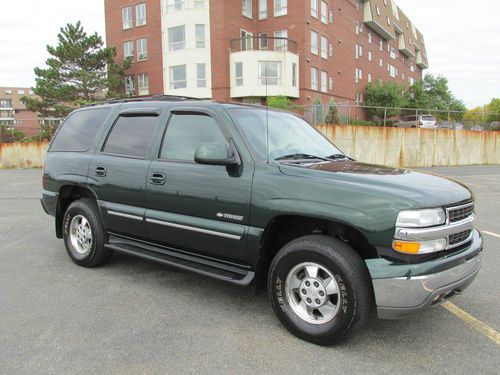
[{"x": 166, "y": 98}]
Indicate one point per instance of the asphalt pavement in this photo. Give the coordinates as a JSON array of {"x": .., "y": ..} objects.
[{"x": 132, "y": 316}]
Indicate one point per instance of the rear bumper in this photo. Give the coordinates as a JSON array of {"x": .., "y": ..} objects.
[
  {"x": 412, "y": 291},
  {"x": 49, "y": 202}
]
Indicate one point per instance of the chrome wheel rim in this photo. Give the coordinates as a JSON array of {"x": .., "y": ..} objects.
[
  {"x": 80, "y": 234},
  {"x": 313, "y": 293}
]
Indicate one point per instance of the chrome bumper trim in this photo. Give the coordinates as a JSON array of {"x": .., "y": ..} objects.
[
  {"x": 425, "y": 234},
  {"x": 399, "y": 296}
]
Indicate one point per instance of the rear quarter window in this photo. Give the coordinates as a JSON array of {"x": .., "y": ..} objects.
[{"x": 79, "y": 130}]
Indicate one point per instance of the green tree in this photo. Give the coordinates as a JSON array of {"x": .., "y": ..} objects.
[
  {"x": 80, "y": 70},
  {"x": 433, "y": 94},
  {"x": 494, "y": 110},
  {"x": 387, "y": 97},
  {"x": 332, "y": 117},
  {"x": 280, "y": 102}
]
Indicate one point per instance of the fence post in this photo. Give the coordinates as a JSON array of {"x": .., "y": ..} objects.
[
  {"x": 348, "y": 114},
  {"x": 385, "y": 116}
]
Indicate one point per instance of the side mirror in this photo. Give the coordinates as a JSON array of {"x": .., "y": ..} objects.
[{"x": 214, "y": 153}]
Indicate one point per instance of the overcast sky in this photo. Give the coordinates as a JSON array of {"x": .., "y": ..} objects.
[{"x": 462, "y": 39}]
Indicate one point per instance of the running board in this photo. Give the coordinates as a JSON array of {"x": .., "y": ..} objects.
[{"x": 186, "y": 262}]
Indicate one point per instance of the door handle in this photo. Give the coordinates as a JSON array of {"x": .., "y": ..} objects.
[
  {"x": 100, "y": 171},
  {"x": 157, "y": 178}
]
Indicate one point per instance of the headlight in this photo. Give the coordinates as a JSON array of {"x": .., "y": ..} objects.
[{"x": 421, "y": 218}]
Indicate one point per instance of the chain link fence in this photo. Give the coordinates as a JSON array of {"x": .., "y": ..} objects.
[{"x": 344, "y": 113}]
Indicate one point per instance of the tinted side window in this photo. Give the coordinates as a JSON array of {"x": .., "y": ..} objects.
[
  {"x": 185, "y": 132},
  {"x": 130, "y": 136},
  {"x": 79, "y": 130}
]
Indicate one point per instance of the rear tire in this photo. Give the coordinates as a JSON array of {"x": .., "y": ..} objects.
[
  {"x": 84, "y": 235},
  {"x": 320, "y": 289}
]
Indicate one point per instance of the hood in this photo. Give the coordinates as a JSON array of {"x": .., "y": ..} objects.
[{"x": 423, "y": 189}]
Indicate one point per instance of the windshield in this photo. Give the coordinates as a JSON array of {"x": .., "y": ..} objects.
[
  {"x": 288, "y": 134},
  {"x": 428, "y": 118}
]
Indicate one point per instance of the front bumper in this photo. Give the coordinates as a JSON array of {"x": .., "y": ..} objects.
[{"x": 404, "y": 289}]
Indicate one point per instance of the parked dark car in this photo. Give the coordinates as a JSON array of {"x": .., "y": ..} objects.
[{"x": 255, "y": 196}]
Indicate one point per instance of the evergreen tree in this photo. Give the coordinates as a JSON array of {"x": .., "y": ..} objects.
[
  {"x": 79, "y": 71},
  {"x": 332, "y": 117}
]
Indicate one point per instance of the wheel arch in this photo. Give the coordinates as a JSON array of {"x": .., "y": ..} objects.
[
  {"x": 67, "y": 195},
  {"x": 284, "y": 228}
]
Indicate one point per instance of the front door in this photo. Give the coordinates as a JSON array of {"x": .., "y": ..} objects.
[{"x": 193, "y": 207}]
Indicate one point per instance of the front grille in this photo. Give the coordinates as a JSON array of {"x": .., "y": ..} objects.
[
  {"x": 458, "y": 238},
  {"x": 460, "y": 213}
]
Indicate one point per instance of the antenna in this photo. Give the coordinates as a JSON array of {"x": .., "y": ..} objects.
[{"x": 267, "y": 121}]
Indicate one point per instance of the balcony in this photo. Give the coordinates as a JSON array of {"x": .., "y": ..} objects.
[
  {"x": 403, "y": 46},
  {"x": 421, "y": 60},
  {"x": 263, "y": 66}
]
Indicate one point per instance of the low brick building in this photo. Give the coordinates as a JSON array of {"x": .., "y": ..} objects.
[
  {"x": 245, "y": 50},
  {"x": 13, "y": 112}
]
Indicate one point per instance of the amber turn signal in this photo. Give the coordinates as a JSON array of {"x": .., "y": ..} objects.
[{"x": 406, "y": 247}]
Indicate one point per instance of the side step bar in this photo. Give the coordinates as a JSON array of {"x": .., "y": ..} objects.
[{"x": 187, "y": 262}]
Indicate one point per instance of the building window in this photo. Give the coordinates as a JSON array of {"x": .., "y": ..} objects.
[
  {"x": 393, "y": 72},
  {"x": 324, "y": 12},
  {"x": 381, "y": 45},
  {"x": 357, "y": 27},
  {"x": 143, "y": 84},
  {"x": 331, "y": 84},
  {"x": 280, "y": 8},
  {"x": 246, "y": 42},
  {"x": 263, "y": 41},
  {"x": 381, "y": 63},
  {"x": 330, "y": 50},
  {"x": 199, "y": 4},
  {"x": 370, "y": 37},
  {"x": 411, "y": 81},
  {"x": 174, "y": 6},
  {"x": 294, "y": 75},
  {"x": 412, "y": 68},
  {"x": 314, "y": 8},
  {"x": 178, "y": 77},
  {"x": 314, "y": 42},
  {"x": 281, "y": 44},
  {"x": 8, "y": 92},
  {"x": 269, "y": 73},
  {"x": 246, "y": 8},
  {"x": 369, "y": 77},
  {"x": 140, "y": 14},
  {"x": 388, "y": 21},
  {"x": 142, "y": 49},
  {"x": 262, "y": 9},
  {"x": 324, "y": 81},
  {"x": 324, "y": 47},
  {"x": 128, "y": 50},
  {"x": 130, "y": 85},
  {"x": 359, "y": 51},
  {"x": 31, "y": 92},
  {"x": 20, "y": 92},
  {"x": 331, "y": 16},
  {"x": 238, "y": 73},
  {"x": 127, "y": 18},
  {"x": 314, "y": 79},
  {"x": 359, "y": 75},
  {"x": 5, "y": 103},
  {"x": 200, "y": 36},
  {"x": 369, "y": 55},
  {"x": 177, "y": 38},
  {"x": 378, "y": 10},
  {"x": 393, "y": 53},
  {"x": 201, "y": 75}
]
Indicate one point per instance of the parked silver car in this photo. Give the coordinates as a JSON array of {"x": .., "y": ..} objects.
[{"x": 420, "y": 121}]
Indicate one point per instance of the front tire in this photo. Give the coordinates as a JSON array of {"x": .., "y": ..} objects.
[
  {"x": 84, "y": 235},
  {"x": 320, "y": 289}
]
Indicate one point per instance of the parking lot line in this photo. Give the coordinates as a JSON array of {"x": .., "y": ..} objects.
[
  {"x": 490, "y": 233},
  {"x": 473, "y": 322}
]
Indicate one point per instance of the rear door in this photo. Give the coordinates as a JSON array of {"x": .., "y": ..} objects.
[
  {"x": 119, "y": 169},
  {"x": 197, "y": 208}
]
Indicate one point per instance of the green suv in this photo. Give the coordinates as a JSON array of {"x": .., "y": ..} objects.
[{"x": 255, "y": 196}]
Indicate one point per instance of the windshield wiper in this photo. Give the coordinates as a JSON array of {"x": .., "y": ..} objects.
[
  {"x": 338, "y": 156},
  {"x": 300, "y": 156}
]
